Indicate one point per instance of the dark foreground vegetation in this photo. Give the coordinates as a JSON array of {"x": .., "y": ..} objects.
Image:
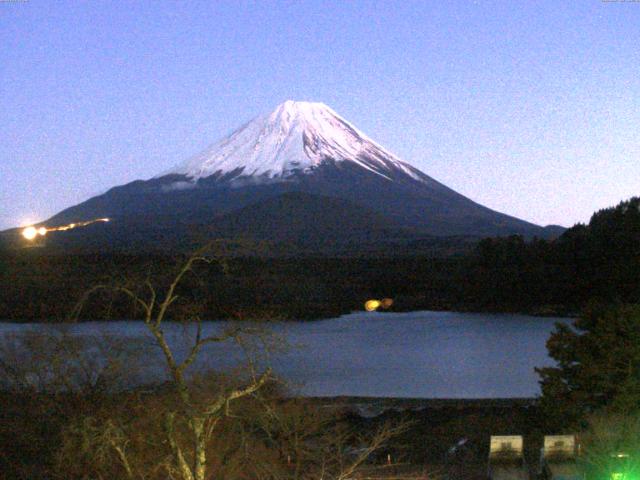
[
  {"x": 65, "y": 414},
  {"x": 266, "y": 436},
  {"x": 600, "y": 260},
  {"x": 94, "y": 434}
]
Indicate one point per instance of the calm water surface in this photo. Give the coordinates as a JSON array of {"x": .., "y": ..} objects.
[{"x": 417, "y": 354}]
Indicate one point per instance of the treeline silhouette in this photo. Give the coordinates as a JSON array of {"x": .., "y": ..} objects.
[{"x": 600, "y": 260}]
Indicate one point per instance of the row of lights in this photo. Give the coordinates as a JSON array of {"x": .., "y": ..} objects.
[{"x": 30, "y": 233}]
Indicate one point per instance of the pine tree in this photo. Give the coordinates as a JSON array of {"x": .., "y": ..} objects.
[{"x": 598, "y": 365}]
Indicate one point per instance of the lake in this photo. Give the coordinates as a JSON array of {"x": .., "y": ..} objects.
[{"x": 411, "y": 355}]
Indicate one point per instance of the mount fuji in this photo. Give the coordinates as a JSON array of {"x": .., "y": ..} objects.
[{"x": 299, "y": 175}]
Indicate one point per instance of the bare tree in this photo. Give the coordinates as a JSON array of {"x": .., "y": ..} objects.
[
  {"x": 57, "y": 361},
  {"x": 317, "y": 443},
  {"x": 199, "y": 414}
]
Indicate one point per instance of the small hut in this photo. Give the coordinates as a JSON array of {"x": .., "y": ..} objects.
[
  {"x": 558, "y": 458},
  {"x": 506, "y": 459}
]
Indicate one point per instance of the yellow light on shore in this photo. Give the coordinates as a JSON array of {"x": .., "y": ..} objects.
[{"x": 372, "y": 305}]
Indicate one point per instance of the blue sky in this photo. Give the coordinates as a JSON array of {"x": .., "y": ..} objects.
[{"x": 531, "y": 108}]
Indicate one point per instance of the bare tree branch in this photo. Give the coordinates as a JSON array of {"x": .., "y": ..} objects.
[
  {"x": 201, "y": 342},
  {"x": 235, "y": 394}
]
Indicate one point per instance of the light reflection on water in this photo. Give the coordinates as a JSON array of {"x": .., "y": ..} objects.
[{"x": 413, "y": 355}]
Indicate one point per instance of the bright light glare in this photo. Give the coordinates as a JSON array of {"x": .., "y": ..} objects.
[{"x": 29, "y": 233}]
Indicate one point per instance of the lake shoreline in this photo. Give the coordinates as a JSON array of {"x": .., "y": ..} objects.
[
  {"x": 47, "y": 288},
  {"x": 536, "y": 314},
  {"x": 379, "y": 407}
]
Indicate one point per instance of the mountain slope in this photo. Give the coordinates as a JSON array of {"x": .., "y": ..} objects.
[
  {"x": 300, "y": 148},
  {"x": 304, "y": 219}
]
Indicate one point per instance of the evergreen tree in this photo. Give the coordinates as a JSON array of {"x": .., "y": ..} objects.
[{"x": 598, "y": 365}]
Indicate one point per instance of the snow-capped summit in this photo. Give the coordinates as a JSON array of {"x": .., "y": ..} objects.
[{"x": 295, "y": 138}]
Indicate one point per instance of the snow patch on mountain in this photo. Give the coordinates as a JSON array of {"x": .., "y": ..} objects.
[
  {"x": 296, "y": 137},
  {"x": 179, "y": 185}
]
